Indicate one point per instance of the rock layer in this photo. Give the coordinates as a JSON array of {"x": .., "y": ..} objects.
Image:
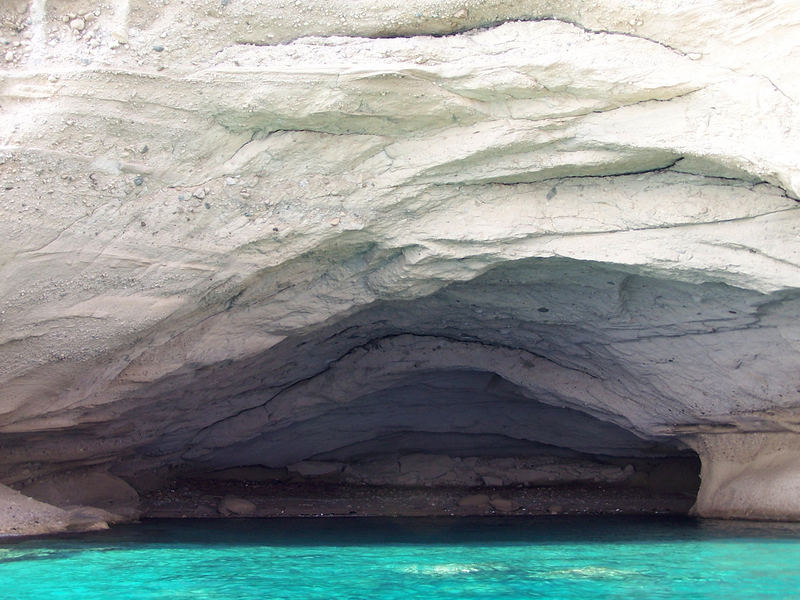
[{"x": 257, "y": 233}]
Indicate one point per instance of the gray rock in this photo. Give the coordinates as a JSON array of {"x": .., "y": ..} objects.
[
  {"x": 502, "y": 504},
  {"x": 492, "y": 481},
  {"x": 312, "y": 468},
  {"x": 474, "y": 501},
  {"x": 237, "y": 507}
]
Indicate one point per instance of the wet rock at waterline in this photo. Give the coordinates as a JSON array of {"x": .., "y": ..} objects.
[{"x": 325, "y": 241}]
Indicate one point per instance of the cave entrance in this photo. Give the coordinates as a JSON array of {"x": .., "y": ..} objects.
[
  {"x": 539, "y": 374},
  {"x": 536, "y": 384},
  {"x": 446, "y": 442}
]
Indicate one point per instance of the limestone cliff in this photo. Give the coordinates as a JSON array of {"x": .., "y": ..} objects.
[{"x": 248, "y": 232}]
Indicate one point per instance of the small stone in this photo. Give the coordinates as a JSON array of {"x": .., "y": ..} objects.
[
  {"x": 144, "y": 149},
  {"x": 9, "y": 56},
  {"x": 461, "y": 14},
  {"x": 230, "y": 181},
  {"x": 199, "y": 194},
  {"x": 334, "y": 222},
  {"x": 502, "y": 504},
  {"x": 474, "y": 501},
  {"x": 233, "y": 505},
  {"x": 492, "y": 481},
  {"x": 78, "y": 24},
  {"x": 158, "y": 48},
  {"x": 138, "y": 180}
]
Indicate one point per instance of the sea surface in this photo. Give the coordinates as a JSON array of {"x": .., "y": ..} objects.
[{"x": 407, "y": 559}]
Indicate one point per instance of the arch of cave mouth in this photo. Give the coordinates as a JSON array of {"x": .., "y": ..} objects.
[{"x": 539, "y": 387}]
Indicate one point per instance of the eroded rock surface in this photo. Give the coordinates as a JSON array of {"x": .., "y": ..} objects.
[{"x": 266, "y": 233}]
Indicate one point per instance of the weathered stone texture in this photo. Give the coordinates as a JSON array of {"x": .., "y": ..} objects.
[{"x": 252, "y": 233}]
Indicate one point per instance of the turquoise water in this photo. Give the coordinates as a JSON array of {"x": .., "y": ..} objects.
[{"x": 381, "y": 559}]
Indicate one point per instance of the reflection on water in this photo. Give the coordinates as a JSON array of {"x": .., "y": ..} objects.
[
  {"x": 382, "y": 559},
  {"x": 449, "y": 569},
  {"x": 592, "y": 572}
]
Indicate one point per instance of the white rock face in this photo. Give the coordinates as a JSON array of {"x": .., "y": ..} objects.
[
  {"x": 752, "y": 475},
  {"x": 251, "y": 233},
  {"x": 22, "y": 515}
]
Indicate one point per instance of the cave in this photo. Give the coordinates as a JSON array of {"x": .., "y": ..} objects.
[
  {"x": 480, "y": 370},
  {"x": 506, "y": 258},
  {"x": 569, "y": 375}
]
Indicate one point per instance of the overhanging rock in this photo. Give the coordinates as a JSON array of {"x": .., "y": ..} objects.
[{"x": 249, "y": 233}]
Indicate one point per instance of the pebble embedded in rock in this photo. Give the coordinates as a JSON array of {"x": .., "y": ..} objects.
[
  {"x": 158, "y": 48},
  {"x": 502, "y": 504},
  {"x": 233, "y": 505},
  {"x": 492, "y": 481},
  {"x": 138, "y": 180},
  {"x": 474, "y": 501},
  {"x": 78, "y": 24}
]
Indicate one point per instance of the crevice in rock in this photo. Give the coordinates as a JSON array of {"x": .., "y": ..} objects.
[
  {"x": 474, "y": 27},
  {"x": 667, "y": 167}
]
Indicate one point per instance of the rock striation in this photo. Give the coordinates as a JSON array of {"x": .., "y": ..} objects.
[{"x": 268, "y": 233}]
